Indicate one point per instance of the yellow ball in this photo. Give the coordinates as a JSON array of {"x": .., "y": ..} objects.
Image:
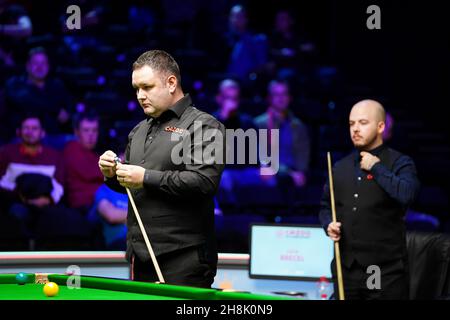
[{"x": 51, "y": 289}]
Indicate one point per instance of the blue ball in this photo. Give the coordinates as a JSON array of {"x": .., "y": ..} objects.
[{"x": 21, "y": 278}]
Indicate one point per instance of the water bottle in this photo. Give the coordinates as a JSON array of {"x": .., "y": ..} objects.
[{"x": 323, "y": 289}]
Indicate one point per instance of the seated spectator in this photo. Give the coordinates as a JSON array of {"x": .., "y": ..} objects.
[
  {"x": 37, "y": 92},
  {"x": 39, "y": 217},
  {"x": 287, "y": 49},
  {"x": 82, "y": 175},
  {"x": 29, "y": 155},
  {"x": 228, "y": 101},
  {"x": 293, "y": 146},
  {"x": 110, "y": 211},
  {"x": 294, "y": 143},
  {"x": 389, "y": 126},
  {"x": 247, "y": 51},
  {"x": 82, "y": 44},
  {"x": 34, "y": 191},
  {"x": 109, "y": 214},
  {"x": 92, "y": 14},
  {"x": 15, "y": 28},
  {"x": 391, "y": 136}
]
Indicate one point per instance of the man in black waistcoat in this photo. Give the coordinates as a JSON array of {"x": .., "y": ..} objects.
[
  {"x": 174, "y": 196},
  {"x": 373, "y": 186}
]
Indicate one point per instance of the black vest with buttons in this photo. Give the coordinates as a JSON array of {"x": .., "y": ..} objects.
[
  {"x": 373, "y": 230},
  {"x": 167, "y": 232}
]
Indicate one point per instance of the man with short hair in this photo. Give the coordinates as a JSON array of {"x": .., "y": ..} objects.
[
  {"x": 175, "y": 200},
  {"x": 373, "y": 187},
  {"x": 228, "y": 99},
  {"x": 37, "y": 92},
  {"x": 29, "y": 155},
  {"x": 294, "y": 142},
  {"x": 82, "y": 177},
  {"x": 247, "y": 50}
]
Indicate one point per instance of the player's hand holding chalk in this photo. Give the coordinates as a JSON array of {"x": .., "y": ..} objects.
[
  {"x": 107, "y": 164},
  {"x": 129, "y": 176}
]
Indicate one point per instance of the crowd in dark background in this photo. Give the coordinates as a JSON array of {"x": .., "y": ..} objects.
[{"x": 235, "y": 58}]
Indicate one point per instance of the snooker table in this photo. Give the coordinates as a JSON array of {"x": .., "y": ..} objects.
[
  {"x": 232, "y": 270},
  {"x": 99, "y": 288}
]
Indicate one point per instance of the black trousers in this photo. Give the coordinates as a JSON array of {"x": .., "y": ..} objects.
[
  {"x": 394, "y": 281},
  {"x": 188, "y": 267}
]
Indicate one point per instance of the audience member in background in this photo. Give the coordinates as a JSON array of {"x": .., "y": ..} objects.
[
  {"x": 247, "y": 51},
  {"x": 43, "y": 220},
  {"x": 394, "y": 138},
  {"x": 388, "y": 127},
  {"x": 286, "y": 47},
  {"x": 228, "y": 99},
  {"x": 294, "y": 142},
  {"x": 37, "y": 92},
  {"x": 92, "y": 13},
  {"x": 29, "y": 155},
  {"x": 15, "y": 28},
  {"x": 110, "y": 212},
  {"x": 82, "y": 176}
]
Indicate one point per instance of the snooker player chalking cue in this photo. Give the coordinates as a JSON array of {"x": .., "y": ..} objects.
[
  {"x": 336, "y": 243},
  {"x": 141, "y": 226}
]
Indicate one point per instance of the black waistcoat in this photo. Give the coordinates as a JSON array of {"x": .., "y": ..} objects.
[
  {"x": 166, "y": 232},
  {"x": 373, "y": 230}
]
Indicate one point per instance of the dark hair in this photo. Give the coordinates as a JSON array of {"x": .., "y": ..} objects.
[
  {"x": 36, "y": 50},
  {"x": 228, "y": 82},
  {"x": 29, "y": 115},
  {"x": 160, "y": 61},
  {"x": 238, "y": 8},
  {"x": 87, "y": 115},
  {"x": 278, "y": 81}
]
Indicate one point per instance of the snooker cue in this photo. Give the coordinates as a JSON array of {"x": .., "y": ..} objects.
[
  {"x": 144, "y": 234},
  {"x": 336, "y": 243}
]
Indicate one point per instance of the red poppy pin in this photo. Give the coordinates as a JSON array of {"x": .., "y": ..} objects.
[{"x": 369, "y": 177}]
